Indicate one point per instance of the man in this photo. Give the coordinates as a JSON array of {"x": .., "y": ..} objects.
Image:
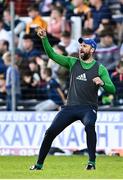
[
  {"x": 4, "y": 35},
  {"x": 108, "y": 49},
  {"x": 100, "y": 14},
  {"x": 29, "y": 49},
  {"x": 86, "y": 76},
  {"x": 33, "y": 12},
  {"x": 4, "y": 47}
]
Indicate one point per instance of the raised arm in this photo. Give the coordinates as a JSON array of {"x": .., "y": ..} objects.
[
  {"x": 108, "y": 84},
  {"x": 65, "y": 61}
]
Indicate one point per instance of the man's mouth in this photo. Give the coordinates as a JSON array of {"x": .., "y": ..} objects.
[{"x": 81, "y": 51}]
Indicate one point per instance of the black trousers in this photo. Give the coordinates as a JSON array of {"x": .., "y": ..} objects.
[{"x": 69, "y": 114}]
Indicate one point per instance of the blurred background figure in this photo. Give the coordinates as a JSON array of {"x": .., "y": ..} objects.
[
  {"x": 2, "y": 87},
  {"x": 71, "y": 45},
  {"x": 45, "y": 7},
  {"x": 10, "y": 71},
  {"x": 4, "y": 47},
  {"x": 117, "y": 78},
  {"x": 55, "y": 96},
  {"x": 61, "y": 74},
  {"x": 28, "y": 48},
  {"x": 19, "y": 26},
  {"x": 35, "y": 70},
  {"x": 37, "y": 20},
  {"x": 4, "y": 35},
  {"x": 107, "y": 52},
  {"x": 100, "y": 14},
  {"x": 55, "y": 22}
]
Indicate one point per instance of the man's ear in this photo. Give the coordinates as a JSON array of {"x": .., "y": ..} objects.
[{"x": 92, "y": 50}]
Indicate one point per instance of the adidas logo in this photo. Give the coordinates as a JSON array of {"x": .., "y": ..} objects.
[{"x": 82, "y": 77}]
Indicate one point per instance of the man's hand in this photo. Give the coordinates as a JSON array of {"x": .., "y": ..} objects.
[
  {"x": 98, "y": 81},
  {"x": 41, "y": 32}
]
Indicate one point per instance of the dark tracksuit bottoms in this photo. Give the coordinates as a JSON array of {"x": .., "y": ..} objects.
[{"x": 69, "y": 114}]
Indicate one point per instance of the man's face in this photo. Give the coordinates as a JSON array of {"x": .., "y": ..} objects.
[
  {"x": 85, "y": 51},
  {"x": 77, "y": 3},
  {"x": 107, "y": 40},
  {"x": 6, "y": 16},
  {"x": 32, "y": 14},
  {"x": 27, "y": 44}
]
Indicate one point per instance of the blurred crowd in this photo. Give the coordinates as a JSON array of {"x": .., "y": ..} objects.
[{"x": 37, "y": 76}]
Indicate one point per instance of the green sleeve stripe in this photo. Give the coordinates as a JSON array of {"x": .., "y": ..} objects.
[{"x": 108, "y": 84}]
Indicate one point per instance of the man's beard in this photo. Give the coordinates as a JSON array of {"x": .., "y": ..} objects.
[{"x": 85, "y": 56}]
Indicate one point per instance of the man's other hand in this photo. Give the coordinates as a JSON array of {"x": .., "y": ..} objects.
[{"x": 98, "y": 81}]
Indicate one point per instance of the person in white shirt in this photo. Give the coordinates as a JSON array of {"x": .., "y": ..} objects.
[
  {"x": 70, "y": 44},
  {"x": 4, "y": 35}
]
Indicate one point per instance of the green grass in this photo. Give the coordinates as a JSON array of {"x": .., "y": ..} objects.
[{"x": 61, "y": 167}]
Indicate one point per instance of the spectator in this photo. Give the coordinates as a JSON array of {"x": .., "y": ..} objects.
[
  {"x": 23, "y": 65},
  {"x": 34, "y": 68},
  {"x": 2, "y": 6},
  {"x": 28, "y": 47},
  {"x": 3, "y": 33},
  {"x": 100, "y": 13},
  {"x": 45, "y": 7},
  {"x": 3, "y": 67},
  {"x": 9, "y": 73},
  {"x": 89, "y": 33},
  {"x": 27, "y": 89},
  {"x": 54, "y": 92},
  {"x": 117, "y": 78},
  {"x": 37, "y": 20},
  {"x": 4, "y": 47},
  {"x": 55, "y": 22},
  {"x": 19, "y": 27},
  {"x": 18, "y": 24},
  {"x": 71, "y": 46},
  {"x": 121, "y": 6},
  {"x": 2, "y": 87},
  {"x": 107, "y": 52},
  {"x": 42, "y": 61},
  {"x": 80, "y": 8}
]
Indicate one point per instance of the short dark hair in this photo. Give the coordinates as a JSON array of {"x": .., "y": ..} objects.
[
  {"x": 87, "y": 31},
  {"x": 106, "y": 32},
  {"x": 120, "y": 63},
  {"x": 48, "y": 71},
  {"x": 59, "y": 9},
  {"x": 33, "y": 7},
  {"x": 1, "y": 20},
  {"x": 6, "y": 43},
  {"x": 27, "y": 36},
  {"x": 62, "y": 48},
  {"x": 32, "y": 60},
  {"x": 66, "y": 34}
]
